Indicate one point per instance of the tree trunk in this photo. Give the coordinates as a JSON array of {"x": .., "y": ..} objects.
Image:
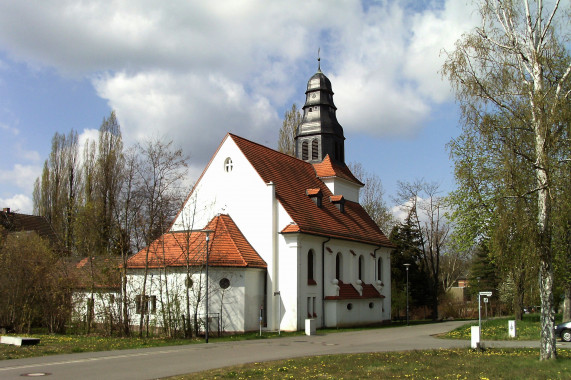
[{"x": 567, "y": 305}]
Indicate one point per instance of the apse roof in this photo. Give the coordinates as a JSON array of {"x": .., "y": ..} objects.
[{"x": 227, "y": 248}]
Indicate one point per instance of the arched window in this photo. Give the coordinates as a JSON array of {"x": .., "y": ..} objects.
[
  {"x": 311, "y": 268},
  {"x": 314, "y": 149},
  {"x": 228, "y": 165},
  {"x": 361, "y": 265},
  {"x": 338, "y": 263},
  {"x": 380, "y": 269},
  {"x": 304, "y": 150}
]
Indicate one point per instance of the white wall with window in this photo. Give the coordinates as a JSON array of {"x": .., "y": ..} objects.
[{"x": 235, "y": 296}]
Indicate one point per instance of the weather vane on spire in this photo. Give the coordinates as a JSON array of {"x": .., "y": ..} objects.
[{"x": 318, "y": 59}]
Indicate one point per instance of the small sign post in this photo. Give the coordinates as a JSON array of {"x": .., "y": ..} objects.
[{"x": 480, "y": 294}]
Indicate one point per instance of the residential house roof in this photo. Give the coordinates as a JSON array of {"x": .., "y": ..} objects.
[
  {"x": 227, "y": 248},
  {"x": 15, "y": 222},
  {"x": 293, "y": 177}
]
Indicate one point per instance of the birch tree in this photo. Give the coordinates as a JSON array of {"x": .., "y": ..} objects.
[
  {"x": 160, "y": 170},
  {"x": 426, "y": 210},
  {"x": 288, "y": 131},
  {"x": 515, "y": 67}
]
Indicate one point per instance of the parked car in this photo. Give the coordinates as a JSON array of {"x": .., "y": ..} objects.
[{"x": 563, "y": 330}]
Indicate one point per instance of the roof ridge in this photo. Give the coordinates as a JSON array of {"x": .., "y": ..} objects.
[{"x": 267, "y": 147}]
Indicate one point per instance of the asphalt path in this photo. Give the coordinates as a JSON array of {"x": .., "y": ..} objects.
[{"x": 156, "y": 362}]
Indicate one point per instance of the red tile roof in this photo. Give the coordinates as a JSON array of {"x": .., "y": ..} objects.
[
  {"x": 348, "y": 291},
  {"x": 227, "y": 248},
  {"x": 327, "y": 168},
  {"x": 99, "y": 272},
  {"x": 292, "y": 177},
  {"x": 336, "y": 198},
  {"x": 311, "y": 192}
]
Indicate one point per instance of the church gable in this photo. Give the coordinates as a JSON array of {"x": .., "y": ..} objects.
[{"x": 228, "y": 185}]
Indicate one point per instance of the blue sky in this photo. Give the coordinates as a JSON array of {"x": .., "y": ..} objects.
[{"x": 191, "y": 71}]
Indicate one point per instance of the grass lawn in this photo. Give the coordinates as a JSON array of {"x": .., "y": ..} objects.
[
  {"x": 430, "y": 364},
  {"x": 497, "y": 329},
  {"x": 67, "y": 344}
]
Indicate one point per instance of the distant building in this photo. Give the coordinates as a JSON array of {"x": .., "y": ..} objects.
[
  {"x": 290, "y": 240},
  {"x": 16, "y": 222},
  {"x": 97, "y": 289}
]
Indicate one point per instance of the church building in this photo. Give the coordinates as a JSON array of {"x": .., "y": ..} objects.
[{"x": 287, "y": 238}]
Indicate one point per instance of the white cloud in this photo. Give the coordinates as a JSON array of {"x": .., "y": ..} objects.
[
  {"x": 26, "y": 154},
  {"x": 12, "y": 130},
  {"x": 22, "y": 176},
  {"x": 192, "y": 70},
  {"x": 194, "y": 111},
  {"x": 18, "y": 203},
  {"x": 434, "y": 31},
  {"x": 178, "y": 61}
]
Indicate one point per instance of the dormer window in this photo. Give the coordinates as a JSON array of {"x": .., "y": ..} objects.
[
  {"x": 316, "y": 196},
  {"x": 338, "y": 201}
]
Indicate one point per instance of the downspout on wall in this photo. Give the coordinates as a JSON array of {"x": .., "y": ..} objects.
[
  {"x": 376, "y": 266},
  {"x": 275, "y": 259},
  {"x": 323, "y": 282}
]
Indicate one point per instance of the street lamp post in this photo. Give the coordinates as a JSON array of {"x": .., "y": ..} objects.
[
  {"x": 207, "y": 232},
  {"x": 406, "y": 266}
]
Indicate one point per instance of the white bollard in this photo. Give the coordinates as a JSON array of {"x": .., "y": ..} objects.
[
  {"x": 512, "y": 329},
  {"x": 475, "y": 333},
  {"x": 310, "y": 325}
]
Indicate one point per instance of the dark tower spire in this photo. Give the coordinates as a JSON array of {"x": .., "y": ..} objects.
[{"x": 319, "y": 133}]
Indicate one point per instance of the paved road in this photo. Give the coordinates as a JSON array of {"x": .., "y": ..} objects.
[{"x": 151, "y": 363}]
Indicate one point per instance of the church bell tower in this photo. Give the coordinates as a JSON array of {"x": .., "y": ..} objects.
[{"x": 319, "y": 133}]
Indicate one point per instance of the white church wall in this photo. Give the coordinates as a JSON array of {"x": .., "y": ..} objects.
[
  {"x": 239, "y": 192},
  {"x": 337, "y": 186},
  {"x": 356, "y": 312},
  {"x": 104, "y": 305},
  {"x": 254, "y": 298},
  {"x": 231, "y": 304},
  {"x": 310, "y": 292},
  {"x": 288, "y": 279}
]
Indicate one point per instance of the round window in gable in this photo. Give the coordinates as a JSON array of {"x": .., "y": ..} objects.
[
  {"x": 371, "y": 305},
  {"x": 349, "y": 306},
  {"x": 188, "y": 282},
  {"x": 228, "y": 165},
  {"x": 224, "y": 283}
]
